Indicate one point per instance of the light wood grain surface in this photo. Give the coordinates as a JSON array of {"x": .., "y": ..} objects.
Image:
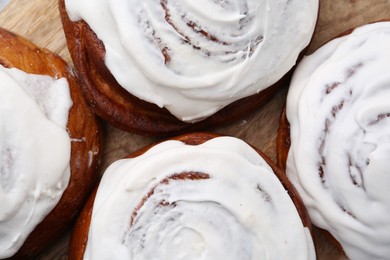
[{"x": 38, "y": 21}]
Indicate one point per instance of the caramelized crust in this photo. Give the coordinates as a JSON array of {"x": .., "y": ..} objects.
[
  {"x": 283, "y": 141},
  {"x": 82, "y": 126},
  {"x": 80, "y": 233},
  {"x": 123, "y": 110}
]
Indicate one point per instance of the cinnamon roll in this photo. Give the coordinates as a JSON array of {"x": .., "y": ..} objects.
[
  {"x": 49, "y": 144},
  {"x": 338, "y": 110},
  {"x": 168, "y": 66},
  {"x": 198, "y": 196}
]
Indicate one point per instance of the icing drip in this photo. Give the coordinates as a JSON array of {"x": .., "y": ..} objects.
[
  {"x": 338, "y": 108},
  {"x": 164, "y": 204},
  {"x": 34, "y": 152},
  {"x": 194, "y": 58}
]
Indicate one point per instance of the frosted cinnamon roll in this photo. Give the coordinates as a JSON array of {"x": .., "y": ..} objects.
[
  {"x": 338, "y": 110},
  {"x": 49, "y": 144},
  {"x": 161, "y": 66},
  {"x": 199, "y": 196}
]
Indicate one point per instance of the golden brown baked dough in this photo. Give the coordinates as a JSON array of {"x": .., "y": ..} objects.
[
  {"x": 17, "y": 52},
  {"x": 123, "y": 110},
  {"x": 80, "y": 232}
]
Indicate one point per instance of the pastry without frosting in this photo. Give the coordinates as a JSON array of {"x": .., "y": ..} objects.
[
  {"x": 198, "y": 196},
  {"x": 166, "y": 66},
  {"x": 338, "y": 110},
  {"x": 49, "y": 143}
]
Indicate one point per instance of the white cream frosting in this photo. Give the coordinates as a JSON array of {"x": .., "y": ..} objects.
[
  {"x": 250, "y": 45},
  {"x": 34, "y": 152},
  {"x": 338, "y": 107},
  {"x": 240, "y": 211}
]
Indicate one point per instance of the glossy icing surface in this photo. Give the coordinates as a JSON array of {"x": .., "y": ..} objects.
[
  {"x": 194, "y": 58},
  {"x": 217, "y": 200},
  {"x": 338, "y": 108},
  {"x": 34, "y": 152}
]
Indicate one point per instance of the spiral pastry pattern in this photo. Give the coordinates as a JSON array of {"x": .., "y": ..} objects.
[
  {"x": 216, "y": 200},
  {"x": 194, "y": 58},
  {"x": 34, "y": 152},
  {"x": 339, "y": 113}
]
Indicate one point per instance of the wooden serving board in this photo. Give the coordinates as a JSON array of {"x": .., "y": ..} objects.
[{"x": 39, "y": 21}]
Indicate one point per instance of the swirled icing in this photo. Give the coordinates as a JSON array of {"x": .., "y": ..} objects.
[
  {"x": 35, "y": 152},
  {"x": 230, "y": 206},
  {"x": 338, "y": 108},
  {"x": 194, "y": 58}
]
